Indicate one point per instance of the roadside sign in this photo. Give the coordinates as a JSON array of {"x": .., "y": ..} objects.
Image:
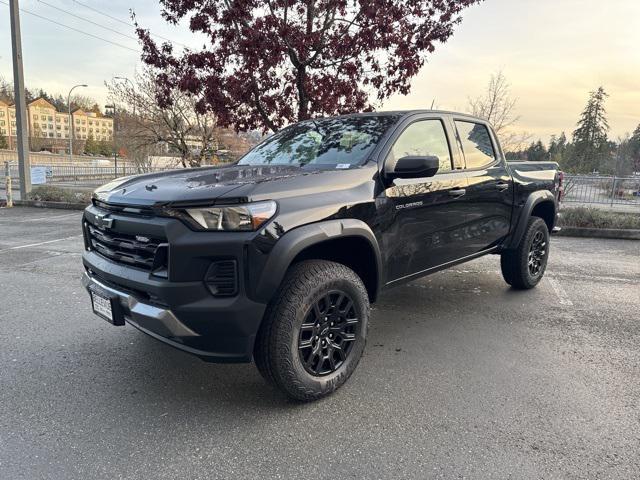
[{"x": 38, "y": 175}]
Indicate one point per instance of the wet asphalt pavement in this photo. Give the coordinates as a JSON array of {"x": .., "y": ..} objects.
[{"x": 461, "y": 378}]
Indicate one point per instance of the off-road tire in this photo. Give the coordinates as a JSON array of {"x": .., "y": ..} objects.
[
  {"x": 276, "y": 351},
  {"x": 515, "y": 262}
]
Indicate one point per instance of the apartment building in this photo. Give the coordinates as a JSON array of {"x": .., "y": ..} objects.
[
  {"x": 50, "y": 129},
  {"x": 7, "y": 120}
]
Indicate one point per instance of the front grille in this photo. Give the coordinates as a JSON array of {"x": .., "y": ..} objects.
[
  {"x": 131, "y": 210},
  {"x": 133, "y": 250}
]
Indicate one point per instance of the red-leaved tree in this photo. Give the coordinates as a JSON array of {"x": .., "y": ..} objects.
[{"x": 271, "y": 62}]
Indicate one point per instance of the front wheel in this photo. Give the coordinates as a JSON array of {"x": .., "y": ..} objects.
[
  {"x": 314, "y": 331},
  {"x": 524, "y": 266}
]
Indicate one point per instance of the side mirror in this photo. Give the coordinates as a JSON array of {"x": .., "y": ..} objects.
[{"x": 416, "y": 167}]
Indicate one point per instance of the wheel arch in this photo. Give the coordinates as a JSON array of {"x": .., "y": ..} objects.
[
  {"x": 546, "y": 210},
  {"x": 540, "y": 204},
  {"x": 349, "y": 242}
]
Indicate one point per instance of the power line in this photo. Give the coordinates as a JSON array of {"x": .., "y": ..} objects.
[
  {"x": 88, "y": 21},
  {"x": 129, "y": 24},
  {"x": 103, "y": 14},
  {"x": 74, "y": 29}
]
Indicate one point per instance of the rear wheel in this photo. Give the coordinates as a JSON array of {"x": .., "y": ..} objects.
[
  {"x": 314, "y": 331},
  {"x": 524, "y": 266}
]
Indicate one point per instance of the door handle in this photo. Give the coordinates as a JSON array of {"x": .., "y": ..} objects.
[
  {"x": 457, "y": 192},
  {"x": 502, "y": 186}
]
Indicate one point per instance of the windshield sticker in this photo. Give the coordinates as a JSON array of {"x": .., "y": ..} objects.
[{"x": 343, "y": 166}]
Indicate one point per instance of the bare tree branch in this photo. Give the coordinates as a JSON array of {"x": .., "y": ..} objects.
[{"x": 497, "y": 106}]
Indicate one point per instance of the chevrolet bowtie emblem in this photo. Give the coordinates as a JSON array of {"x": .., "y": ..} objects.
[{"x": 103, "y": 221}]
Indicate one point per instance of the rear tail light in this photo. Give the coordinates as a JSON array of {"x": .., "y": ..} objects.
[{"x": 560, "y": 185}]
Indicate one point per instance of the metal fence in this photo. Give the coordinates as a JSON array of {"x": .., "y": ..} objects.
[
  {"x": 585, "y": 190},
  {"x": 45, "y": 158},
  {"x": 602, "y": 191},
  {"x": 84, "y": 175}
]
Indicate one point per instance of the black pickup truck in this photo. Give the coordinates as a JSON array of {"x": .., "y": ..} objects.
[{"x": 278, "y": 257}]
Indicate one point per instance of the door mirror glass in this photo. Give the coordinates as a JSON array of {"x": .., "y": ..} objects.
[{"x": 416, "y": 167}]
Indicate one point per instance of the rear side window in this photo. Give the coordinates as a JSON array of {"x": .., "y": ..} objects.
[
  {"x": 476, "y": 144},
  {"x": 422, "y": 139}
]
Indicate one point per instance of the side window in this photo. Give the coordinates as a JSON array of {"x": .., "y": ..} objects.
[
  {"x": 476, "y": 144},
  {"x": 423, "y": 138}
]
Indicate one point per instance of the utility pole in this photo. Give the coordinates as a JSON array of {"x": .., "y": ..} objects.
[{"x": 22, "y": 138}]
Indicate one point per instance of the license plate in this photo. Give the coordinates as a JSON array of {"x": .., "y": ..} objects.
[{"x": 102, "y": 307}]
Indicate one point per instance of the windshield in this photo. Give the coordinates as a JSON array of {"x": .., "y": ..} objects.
[{"x": 330, "y": 143}]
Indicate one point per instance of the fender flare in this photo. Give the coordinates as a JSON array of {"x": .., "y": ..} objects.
[
  {"x": 295, "y": 241},
  {"x": 525, "y": 213}
]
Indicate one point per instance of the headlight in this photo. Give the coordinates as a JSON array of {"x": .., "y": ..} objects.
[{"x": 248, "y": 217}]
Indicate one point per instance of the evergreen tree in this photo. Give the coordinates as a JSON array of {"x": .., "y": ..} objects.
[
  {"x": 91, "y": 146},
  {"x": 29, "y": 96},
  {"x": 559, "y": 149},
  {"x": 590, "y": 138},
  {"x": 553, "y": 145},
  {"x": 557, "y": 146},
  {"x": 105, "y": 148},
  {"x": 59, "y": 102},
  {"x": 635, "y": 149},
  {"x": 537, "y": 152},
  {"x": 6, "y": 90}
]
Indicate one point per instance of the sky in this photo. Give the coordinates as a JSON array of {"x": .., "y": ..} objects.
[{"x": 553, "y": 53}]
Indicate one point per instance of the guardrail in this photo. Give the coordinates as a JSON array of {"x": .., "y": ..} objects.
[{"x": 600, "y": 190}]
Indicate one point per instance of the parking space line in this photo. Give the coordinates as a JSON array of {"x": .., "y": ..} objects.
[
  {"x": 54, "y": 217},
  {"x": 40, "y": 243},
  {"x": 51, "y": 256},
  {"x": 560, "y": 292},
  {"x": 10, "y": 220}
]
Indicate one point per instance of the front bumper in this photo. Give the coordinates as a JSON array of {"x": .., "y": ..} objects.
[
  {"x": 215, "y": 333},
  {"x": 178, "y": 308}
]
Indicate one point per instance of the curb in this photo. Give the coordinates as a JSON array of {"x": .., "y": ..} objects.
[
  {"x": 43, "y": 204},
  {"x": 630, "y": 234}
]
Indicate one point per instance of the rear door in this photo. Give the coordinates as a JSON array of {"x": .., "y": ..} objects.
[
  {"x": 423, "y": 218},
  {"x": 489, "y": 197}
]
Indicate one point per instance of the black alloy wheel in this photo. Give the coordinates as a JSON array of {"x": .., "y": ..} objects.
[
  {"x": 537, "y": 253},
  {"x": 523, "y": 267},
  {"x": 314, "y": 330},
  {"x": 328, "y": 333}
]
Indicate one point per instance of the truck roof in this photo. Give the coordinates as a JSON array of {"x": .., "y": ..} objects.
[{"x": 407, "y": 112}]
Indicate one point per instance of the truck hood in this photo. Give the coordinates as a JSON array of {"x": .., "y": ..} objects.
[{"x": 204, "y": 184}]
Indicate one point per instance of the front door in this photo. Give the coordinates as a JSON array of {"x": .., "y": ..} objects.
[{"x": 425, "y": 217}]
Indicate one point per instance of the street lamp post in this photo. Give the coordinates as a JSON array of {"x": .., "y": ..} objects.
[
  {"x": 115, "y": 147},
  {"x": 71, "y": 126}
]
